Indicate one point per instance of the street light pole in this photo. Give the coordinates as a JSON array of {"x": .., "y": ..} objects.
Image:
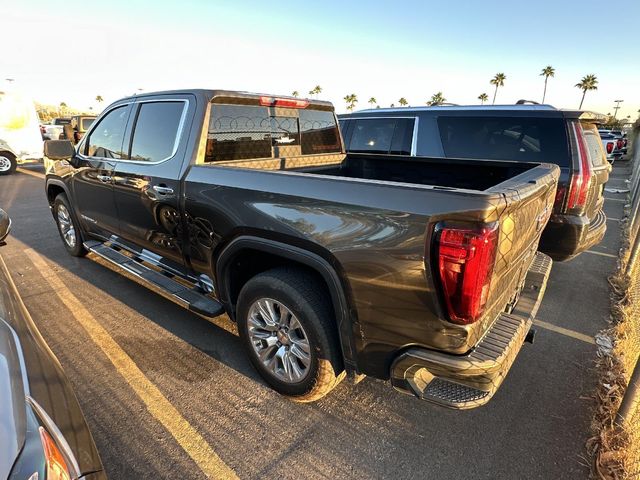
[{"x": 617, "y": 102}]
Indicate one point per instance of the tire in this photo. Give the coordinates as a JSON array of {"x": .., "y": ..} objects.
[
  {"x": 302, "y": 295},
  {"x": 8, "y": 163},
  {"x": 68, "y": 226}
]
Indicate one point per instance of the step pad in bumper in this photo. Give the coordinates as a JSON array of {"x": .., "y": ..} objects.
[{"x": 468, "y": 381}]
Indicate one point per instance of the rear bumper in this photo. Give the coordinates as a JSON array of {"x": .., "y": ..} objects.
[
  {"x": 471, "y": 380},
  {"x": 567, "y": 235}
]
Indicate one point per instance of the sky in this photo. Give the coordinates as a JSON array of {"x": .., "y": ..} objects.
[{"x": 72, "y": 51}]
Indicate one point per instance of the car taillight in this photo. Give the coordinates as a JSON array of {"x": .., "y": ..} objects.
[
  {"x": 579, "y": 184},
  {"x": 619, "y": 144},
  {"x": 56, "y": 465},
  {"x": 609, "y": 147},
  {"x": 283, "y": 102},
  {"x": 465, "y": 266}
]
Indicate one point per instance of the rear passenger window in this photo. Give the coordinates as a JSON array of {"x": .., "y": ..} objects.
[
  {"x": 505, "y": 138},
  {"x": 106, "y": 139},
  {"x": 382, "y": 135},
  {"x": 155, "y": 133}
]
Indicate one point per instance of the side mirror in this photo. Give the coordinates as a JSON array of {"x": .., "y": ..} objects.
[
  {"x": 59, "y": 149},
  {"x": 5, "y": 225}
]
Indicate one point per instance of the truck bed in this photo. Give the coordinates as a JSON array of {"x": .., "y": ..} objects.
[{"x": 451, "y": 173}]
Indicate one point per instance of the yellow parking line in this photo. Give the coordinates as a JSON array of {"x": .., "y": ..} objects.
[
  {"x": 602, "y": 254},
  {"x": 565, "y": 331},
  {"x": 157, "y": 404},
  {"x": 32, "y": 173}
]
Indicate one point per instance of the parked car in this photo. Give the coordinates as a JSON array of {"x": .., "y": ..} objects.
[
  {"x": 52, "y": 132},
  {"x": 76, "y": 129},
  {"x": 43, "y": 434},
  {"x": 521, "y": 133},
  {"x": 610, "y": 145},
  {"x": 20, "y": 137},
  {"x": 621, "y": 140},
  {"x": 419, "y": 270}
]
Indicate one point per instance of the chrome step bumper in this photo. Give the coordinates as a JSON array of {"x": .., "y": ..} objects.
[{"x": 468, "y": 381}]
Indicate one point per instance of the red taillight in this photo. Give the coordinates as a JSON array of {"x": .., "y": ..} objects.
[
  {"x": 465, "y": 264},
  {"x": 609, "y": 147},
  {"x": 619, "y": 144},
  {"x": 579, "y": 185},
  {"x": 283, "y": 102},
  {"x": 55, "y": 463}
]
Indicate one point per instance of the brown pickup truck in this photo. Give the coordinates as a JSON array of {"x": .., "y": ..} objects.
[{"x": 420, "y": 270}]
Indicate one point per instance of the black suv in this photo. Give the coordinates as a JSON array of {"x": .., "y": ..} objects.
[{"x": 521, "y": 132}]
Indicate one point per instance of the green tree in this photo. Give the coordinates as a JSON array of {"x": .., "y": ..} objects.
[
  {"x": 436, "y": 99},
  {"x": 295, "y": 93},
  {"x": 588, "y": 82},
  {"x": 403, "y": 102},
  {"x": 63, "y": 107},
  {"x": 99, "y": 99},
  {"x": 547, "y": 72},
  {"x": 351, "y": 101},
  {"x": 483, "y": 97},
  {"x": 317, "y": 90},
  {"x": 498, "y": 81},
  {"x": 373, "y": 101}
]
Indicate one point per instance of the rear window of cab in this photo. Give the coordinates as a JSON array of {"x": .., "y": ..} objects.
[
  {"x": 524, "y": 139},
  {"x": 245, "y": 132}
]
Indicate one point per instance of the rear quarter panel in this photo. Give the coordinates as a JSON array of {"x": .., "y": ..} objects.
[{"x": 376, "y": 235}]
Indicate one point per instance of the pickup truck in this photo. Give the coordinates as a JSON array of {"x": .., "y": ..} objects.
[
  {"x": 413, "y": 269},
  {"x": 521, "y": 132}
]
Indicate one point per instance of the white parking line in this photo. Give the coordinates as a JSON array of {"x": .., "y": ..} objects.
[
  {"x": 157, "y": 404},
  {"x": 614, "y": 219},
  {"x": 609, "y": 199}
]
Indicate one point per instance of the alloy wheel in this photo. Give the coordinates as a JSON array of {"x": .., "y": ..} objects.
[
  {"x": 279, "y": 340},
  {"x": 66, "y": 226}
]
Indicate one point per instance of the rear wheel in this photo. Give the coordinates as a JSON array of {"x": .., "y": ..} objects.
[
  {"x": 286, "y": 324},
  {"x": 8, "y": 163},
  {"x": 67, "y": 227}
]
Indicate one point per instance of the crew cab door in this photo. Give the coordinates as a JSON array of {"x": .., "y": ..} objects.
[
  {"x": 147, "y": 183},
  {"x": 92, "y": 182}
]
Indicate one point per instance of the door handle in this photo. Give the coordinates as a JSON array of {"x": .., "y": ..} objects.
[
  {"x": 163, "y": 190},
  {"x": 104, "y": 178}
]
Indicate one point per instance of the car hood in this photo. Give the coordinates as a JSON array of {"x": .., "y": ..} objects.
[
  {"x": 13, "y": 422},
  {"x": 30, "y": 373}
]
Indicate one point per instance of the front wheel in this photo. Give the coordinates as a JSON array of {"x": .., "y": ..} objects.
[
  {"x": 287, "y": 326},
  {"x": 8, "y": 163},
  {"x": 67, "y": 227}
]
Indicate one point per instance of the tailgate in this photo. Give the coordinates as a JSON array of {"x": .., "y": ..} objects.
[{"x": 528, "y": 204}]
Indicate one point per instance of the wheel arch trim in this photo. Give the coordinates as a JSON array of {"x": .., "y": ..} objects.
[{"x": 302, "y": 256}]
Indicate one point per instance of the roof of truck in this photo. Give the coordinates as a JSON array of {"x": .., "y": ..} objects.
[
  {"x": 460, "y": 108},
  {"x": 212, "y": 93}
]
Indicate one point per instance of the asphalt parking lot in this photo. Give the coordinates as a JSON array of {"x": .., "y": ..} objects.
[{"x": 168, "y": 394}]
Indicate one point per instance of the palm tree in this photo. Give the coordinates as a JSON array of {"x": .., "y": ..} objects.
[
  {"x": 588, "y": 82},
  {"x": 99, "y": 99},
  {"x": 403, "y": 102},
  {"x": 295, "y": 93},
  {"x": 436, "y": 99},
  {"x": 547, "y": 72},
  {"x": 351, "y": 101},
  {"x": 63, "y": 105},
  {"x": 483, "y": 97},
  {"x": 372, "y": 101},
  {"x": 317, "y": 90},
  {"x": 498, "y": 81}
]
